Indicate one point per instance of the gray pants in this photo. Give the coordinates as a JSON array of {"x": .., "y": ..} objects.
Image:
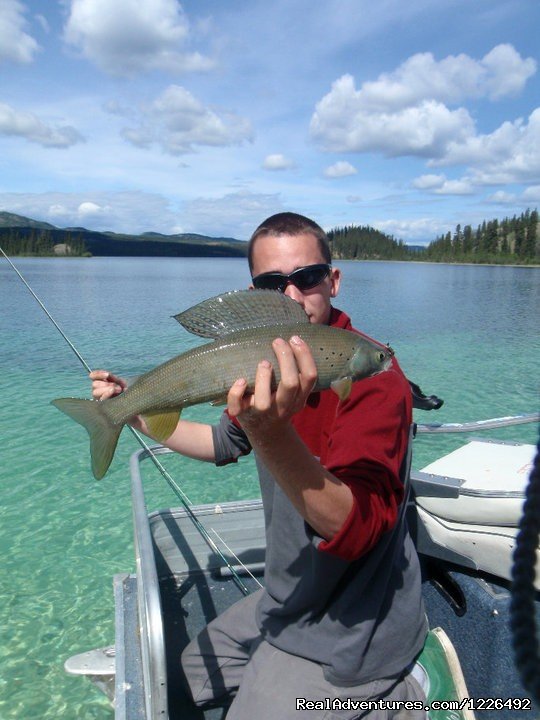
[{"x": 229, "y": 659}]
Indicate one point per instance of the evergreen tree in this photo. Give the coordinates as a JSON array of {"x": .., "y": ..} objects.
[{"x": 531, "y": 236}]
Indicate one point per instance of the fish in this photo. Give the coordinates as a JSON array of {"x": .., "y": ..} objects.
[{"x": 242, "y": 325}]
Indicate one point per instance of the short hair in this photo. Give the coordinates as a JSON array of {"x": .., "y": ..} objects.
[{"x": 289, "y": 223}]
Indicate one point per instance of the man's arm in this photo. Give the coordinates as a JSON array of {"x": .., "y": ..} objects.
[
  {"x": 322, "y": 499},
  {"x": 191, "y": 439}
]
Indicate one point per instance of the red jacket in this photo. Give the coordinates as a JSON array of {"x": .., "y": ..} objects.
[{"x": 363, "y": 442}]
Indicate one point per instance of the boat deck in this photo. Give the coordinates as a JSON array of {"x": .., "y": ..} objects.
[
  {"x": 188, "y": 604},
  {"x": 472, "y": 608},
  {"x": 196, "y": 585}
]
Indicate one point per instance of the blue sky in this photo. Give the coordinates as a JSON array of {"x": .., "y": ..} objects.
[{"x": 140, "y": 115}]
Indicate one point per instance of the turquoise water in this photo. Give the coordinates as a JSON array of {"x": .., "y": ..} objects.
[{"x": 468, "y": 334}]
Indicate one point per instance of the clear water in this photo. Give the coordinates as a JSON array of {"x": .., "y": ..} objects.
[{"x": 468, "y": 334}]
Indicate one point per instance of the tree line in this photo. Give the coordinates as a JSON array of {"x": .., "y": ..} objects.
[
  {"x": 361, "y": 242},
  {"x": 40, "y": 242},
  {"x": 45, "y": 242},
  {"x": 509, "y": 241},
  {"x": 512, "y": 240}
]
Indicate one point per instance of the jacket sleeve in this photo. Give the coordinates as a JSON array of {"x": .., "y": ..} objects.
[{"x": 365, "y": 449}]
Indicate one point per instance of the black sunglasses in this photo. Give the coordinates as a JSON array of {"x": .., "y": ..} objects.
[{"x": 303, "y": 278}]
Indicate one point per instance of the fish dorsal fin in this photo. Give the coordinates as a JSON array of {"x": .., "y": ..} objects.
[{"x": 241, "y": 310}]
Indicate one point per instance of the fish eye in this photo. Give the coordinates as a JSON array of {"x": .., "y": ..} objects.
[{"x": 381, "y": 356}]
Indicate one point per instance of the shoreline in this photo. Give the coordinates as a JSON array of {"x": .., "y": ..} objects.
[
  {"x": 434, "y": 262},
  {"x": 236, "y": 257}
]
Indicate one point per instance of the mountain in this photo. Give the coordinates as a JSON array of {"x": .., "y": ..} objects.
[
  {"x": 23, "y": 236},
  {"x": 8, "y": 219}
]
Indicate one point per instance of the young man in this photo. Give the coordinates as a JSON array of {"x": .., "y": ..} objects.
[{"x": 341, "y": 614}]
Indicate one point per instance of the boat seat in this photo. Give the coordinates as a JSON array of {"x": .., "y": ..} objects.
[{"x": 479, "y": 525}]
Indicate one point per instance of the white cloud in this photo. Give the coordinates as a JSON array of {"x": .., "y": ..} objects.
[
  {"x": 440, "y": 185},
  {"x": 419, "y": 230},
  {"x": 15, "y": 44},
  {"x": 124, "y": 212},
  {"x": 429, "y": 182},
  {"x": 129, "y": 36},
  {"x": 340, "y": 169},
  {"x": 506, "y": 72},
  {"x": 407, "y": 112},
  {"x": 277, "y": 162},
  {"x": 509, "y": 154},
  {"x": 502, "y": 72},
  {"x": 455, "y": 187},
  {"x": 234, "y": 214},
  {"x": 27, "y": 125},
  {"x": 502, "y": 197},
  {"x": 178, "y": 122},
  {"x": 532, "y": 194},
  {"x": 91, "y": 209},
  {"x": 72, "y": 212},
  {"x": 341, "y": 123}
]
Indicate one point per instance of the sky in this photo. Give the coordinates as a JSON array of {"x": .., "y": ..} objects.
[{"x": 209, "y": 116}]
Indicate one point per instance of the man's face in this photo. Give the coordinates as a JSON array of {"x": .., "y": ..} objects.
[{"x": 286, "y": 253}]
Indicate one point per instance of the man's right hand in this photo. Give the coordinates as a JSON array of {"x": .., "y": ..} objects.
[
  {"x": 192, "y": 439},
  {"x": 106, "y": 385}
]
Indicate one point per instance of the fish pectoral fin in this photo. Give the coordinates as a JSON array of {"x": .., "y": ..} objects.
[
  {"x": 162, "y": 425},
  {"x": 342, "y": 387}
]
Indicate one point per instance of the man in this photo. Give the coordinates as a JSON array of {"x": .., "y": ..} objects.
[{"x": 341, "y": 614}]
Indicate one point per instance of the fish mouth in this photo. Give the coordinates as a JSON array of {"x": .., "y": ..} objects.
[{"x": 385, "y": 365}]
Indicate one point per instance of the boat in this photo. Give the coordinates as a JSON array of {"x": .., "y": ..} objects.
[{"x": 192, "y": 562}]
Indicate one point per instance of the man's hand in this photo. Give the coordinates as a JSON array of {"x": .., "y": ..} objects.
[
  {"x": 266, "y": 411},
  {"x": 105, "y": 385}
]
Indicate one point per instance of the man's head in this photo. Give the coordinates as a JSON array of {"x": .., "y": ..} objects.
[{"x": 286, "y": 242}]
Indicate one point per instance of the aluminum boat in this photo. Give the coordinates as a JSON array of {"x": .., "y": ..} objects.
[{"x": 192, "y": 562}]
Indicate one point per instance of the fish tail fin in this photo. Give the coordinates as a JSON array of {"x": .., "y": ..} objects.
[{"x": 103, "y": 433}]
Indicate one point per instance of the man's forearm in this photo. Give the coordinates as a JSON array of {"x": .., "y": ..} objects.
[
  {"x": 194, "y": 440},
  {"x": 323, "y": 500}
]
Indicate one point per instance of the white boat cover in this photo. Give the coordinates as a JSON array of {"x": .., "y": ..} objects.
[
  {"x": 493, "y": 479},
  {"x": 482, "y": 523}
]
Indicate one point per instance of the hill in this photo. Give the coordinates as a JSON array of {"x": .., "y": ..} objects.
[
  {"x": 8, "y": 219},
  {"x": 365, "y": 243},
  {"x": 20, "y": 235}
]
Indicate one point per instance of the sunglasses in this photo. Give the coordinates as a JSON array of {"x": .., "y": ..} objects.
[{"x": 303, "y": 278}]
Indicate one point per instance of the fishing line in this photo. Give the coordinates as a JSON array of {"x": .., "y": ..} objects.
[
  {"x": 88, "y": 368},
  {"x": 48, "y": 314},
  {"x": 186, "y": 502},
  {"x": 235, "y": 556}
]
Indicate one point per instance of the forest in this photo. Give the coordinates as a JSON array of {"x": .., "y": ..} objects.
[
  {"x": 513, "y": 240},
  {"x": 365, "y": 243},
  {"x": 41, "y": 242},
  {"x": 509, "y": 241}
]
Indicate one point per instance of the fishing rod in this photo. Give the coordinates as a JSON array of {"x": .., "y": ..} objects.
[{"x": 169, "y": 479}]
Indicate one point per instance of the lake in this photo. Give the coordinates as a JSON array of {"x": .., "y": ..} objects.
[{"x": 469, "y": 334}]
